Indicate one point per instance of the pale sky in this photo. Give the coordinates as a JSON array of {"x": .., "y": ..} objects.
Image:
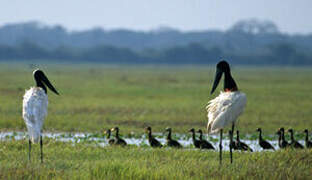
[{"x": 291, "y": 16}]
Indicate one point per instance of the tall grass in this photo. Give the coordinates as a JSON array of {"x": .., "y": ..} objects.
[{"x": 85, "y": 161}]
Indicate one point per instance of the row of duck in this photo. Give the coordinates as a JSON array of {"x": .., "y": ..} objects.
[{"x": 201, "y": 143}]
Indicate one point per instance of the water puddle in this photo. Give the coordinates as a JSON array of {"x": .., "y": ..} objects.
[{"x": 183, "y": 139}]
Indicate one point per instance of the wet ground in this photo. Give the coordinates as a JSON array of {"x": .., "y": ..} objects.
[{"x": 141, "y": 140}]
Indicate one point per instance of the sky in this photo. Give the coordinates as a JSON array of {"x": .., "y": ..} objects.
[{"x": 290, "y": 16}]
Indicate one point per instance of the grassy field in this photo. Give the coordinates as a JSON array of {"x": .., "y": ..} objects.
[
  {"x": 87, "y": 161},
  {"x": 95, "y": 97}
]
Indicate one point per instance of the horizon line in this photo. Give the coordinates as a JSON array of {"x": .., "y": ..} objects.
[{"x": 159, "y": 28}]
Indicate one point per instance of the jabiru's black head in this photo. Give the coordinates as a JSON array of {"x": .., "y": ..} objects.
[
  {"x": 42, "y": 80},
  {"x": 229, "y": 83}
]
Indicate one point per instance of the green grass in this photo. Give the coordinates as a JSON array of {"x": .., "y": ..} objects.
[
  {"x": 94, "y": 97},
  {"x": 87, "y": 161}
]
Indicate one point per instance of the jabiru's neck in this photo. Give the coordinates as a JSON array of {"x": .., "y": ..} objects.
[
  {"x": 229, "y": 83},
  {"x": 40, "y": 84}
]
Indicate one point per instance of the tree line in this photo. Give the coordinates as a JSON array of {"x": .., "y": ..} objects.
[
  {"x": 277, "y": 54},
  {"x": 247, "y": 42}
]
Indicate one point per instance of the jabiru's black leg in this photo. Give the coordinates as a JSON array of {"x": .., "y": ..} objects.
[
  {"x": 231, "y": 141},
  {"x": 41, "y": 153},
  {"x": 29, "y": 149},
  {"x": 220, "y": 146}
]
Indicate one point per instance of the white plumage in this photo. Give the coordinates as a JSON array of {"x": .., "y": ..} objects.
[
  {"x": 224, "y": 110},
  {"x": 35, "y": 104}
]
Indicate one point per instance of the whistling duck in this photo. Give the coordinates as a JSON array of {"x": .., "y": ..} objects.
[
  {"x": 203, "y": 143},
  {"x": 195, "y": 141},
  {"x": 242, "y": 146},
  {"x": 110, "y": 141},
  {"x": 293, "y": 142},
  {"x": 170, "y": 141},
  {"x": 118, "y": 140},
  {"x": 152, "y": 141},
  {"x": 263, "y": 143}
]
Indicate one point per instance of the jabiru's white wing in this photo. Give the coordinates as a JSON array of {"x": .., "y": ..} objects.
[
  {"x": 224, "y": 110},
  {"x": 35, "y": 104}
]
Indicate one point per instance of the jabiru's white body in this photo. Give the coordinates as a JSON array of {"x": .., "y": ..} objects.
[
  {"x": 224, "y": 110},
  {"x": 35, "y": 108},
  {"x": 35, "y": 105}
]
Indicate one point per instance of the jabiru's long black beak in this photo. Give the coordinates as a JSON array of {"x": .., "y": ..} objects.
[
  {"x": 46, "y": 81},
  {"x": 216, "y": 80},
  {"x": 41, "y": 79}
]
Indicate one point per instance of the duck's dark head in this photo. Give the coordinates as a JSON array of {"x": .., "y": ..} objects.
[
  {"x": 237, "y": 133},
  {"x": 42, "y": 80},
  {"x": 115, "y": 129},
  {"x": 108, "y": 131},
  {"x": 282, "y": 129},
  {"x": 148, "y": 129},
  {"x": 278, "y": 132},
  {"x": 229, "y": 83},
  {"x": 200, "y": 131}
]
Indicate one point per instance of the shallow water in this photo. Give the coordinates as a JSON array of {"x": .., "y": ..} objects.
[{"x": 184, "y": 139}]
